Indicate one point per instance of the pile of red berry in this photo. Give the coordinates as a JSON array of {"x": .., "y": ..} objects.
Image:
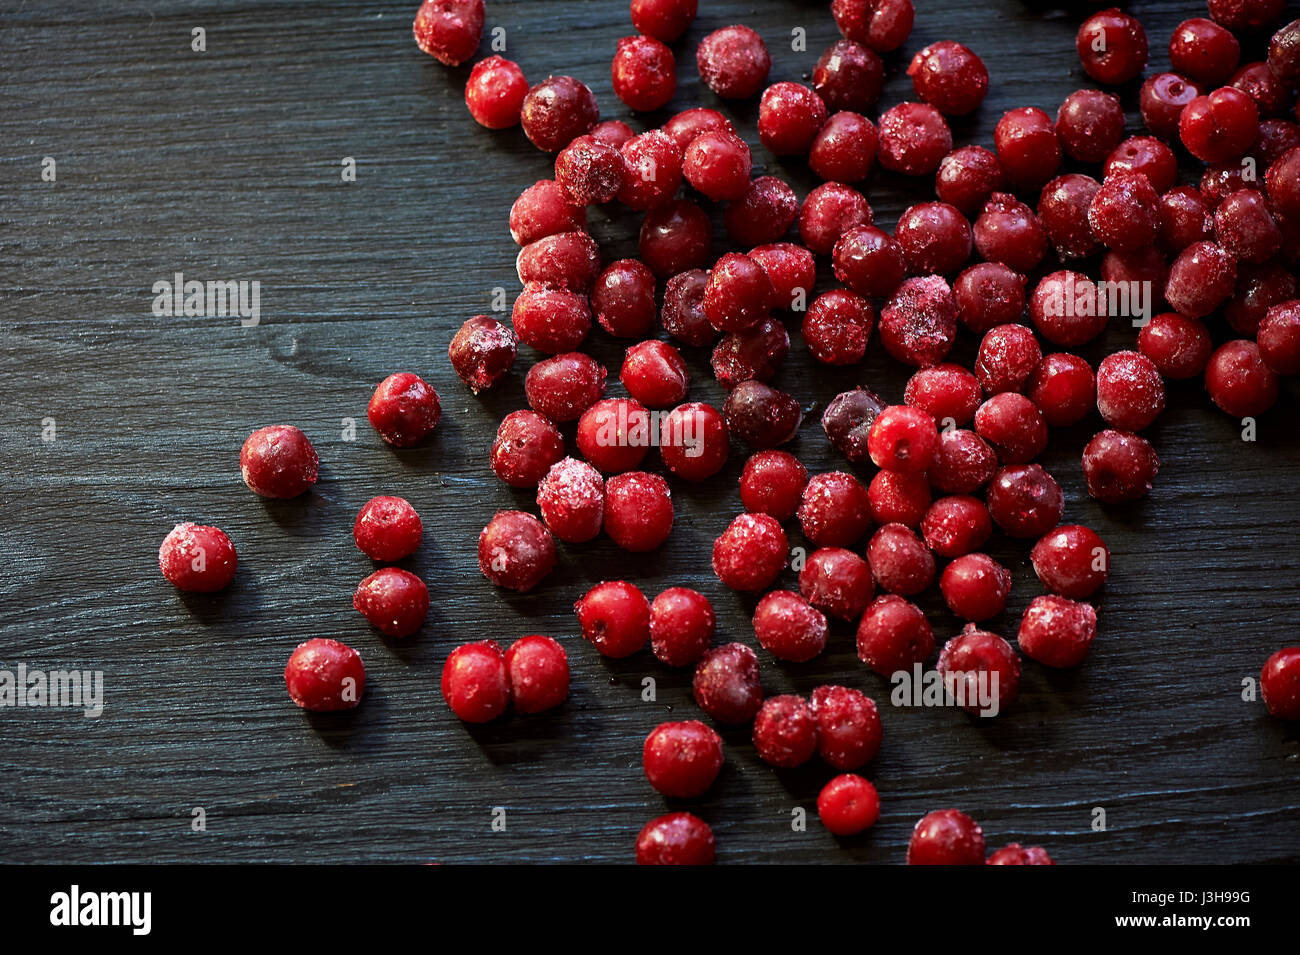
[{"x": 954, "y": 461}]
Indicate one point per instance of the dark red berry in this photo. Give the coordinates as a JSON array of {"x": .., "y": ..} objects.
[
  {"x": 975, "y": 587},
  {"x": 678, "y": 838},
  {"x": 967, "y": 176},
  {"x": 1013, "y": 426},
  {"x": 682, "y": 624},
  {"x": 476, "y": 682},
  {"x": 869, "y": 261},
  {"x": 643, "y": 73},
  {"x": 1118, "y": 466},
  {"x": 526, "y": 446},
  {"x": 449, "y": 30},
  {"x": 848, "y": 420},
  {"x": 844, "y": 148},
  {"x": 538, "y": 670},
  {"x": 395, "y": 601},
  {"x": 1162, "y": 99},
  {"x": 733, "y": 62},
  {"x": 1008, "y": 355},
  {"x": 848, "y": 805},
  {"x": 664, "y": 20},
  {"x": 324, "y": 676},
  {"x": 614, "y": 434},
  {"x": 893, "y": 635},
  {"x": 1063, "y": 211},
  {"x": 760, "y": 416},
  {"x": 789, "y": 116},
  {"x": 900, "y": 562},
  {"x": 849, "y": 76},
  {"x": 682, "y": 314},
  {"x": 751, "y": 553},
  {"x": 278, "y": 461},
  {"x": 726, "y": 684},
  {"x": 836, "y": 327},
  {"x": 919, "y": 323},
  {"x": 694, "y": 441},
  {"x": 935, "y": 238},
  {"x": 956, "y": 525},
  {"x": 1067, "y": 309},
  {"x": 1057, "y": 632},
  {"x": 848, "y": 726},
  {"x": 763, "y": 214},
  {"x": 1025, "y": 501},
  {"x": 963, "y": 464},
  {"x": 980, "y": 671},
  {"x": 516, "y": 551},
  {"x": 681, "y": 760},
  {"x": 789, "y": 627},
  {"x": 1130, "y": 391},
  {"x": 1027, "y": 147},
  {"x": 589, "y": 172},
  {"x": 387, "y": 529},
  {"x": 835, "y": 510},
  {"x": 623, "y": 299},
  {"x": 675, "y": 238},
  {"x": 1239, "y": 381},
  {"x": 551, "y": 320},
  {"x": 1064, "y": 389},
  {"x": 1014, "y": 854},
  {"x": 903, "y": 438},
  {"x": 556, "y": 111},
  {"x": 1201, "y": 279},
  {"x": 1219, "y": 127},
  {"x": 1179, "y": 347},
  {"x": 638, "y": 511},
  {"x": 542, "y": 210},
  {"x": 197, "y": 558},
  {"x": 914, "y": 138},
  {"x": 652, "y": 170},
  {"x": 988, "y": 294},
  {"x": 772, "y": 483},
  {"x": 1279, "y": 682},
  {"x": 899, "y": 498},
  {"x": 837, "y": 582},
  {"x": 1279, "y": 338},
  {"x": 1112, "y": 46},
  {"x": 785, "y": 732},
  {"x": 1090, "y": 124},
  {"x": 563, "y": 387},
  {"x": 1071, "y": 560},
  {"x": 615, "y": 618},
  {"x": 948, "y": 393},
  {"x": 946, "y": 837},
  {"x": 883, "y": 25},
  {"x": 482, "y": 352},
  {"x": 1009, "y": 233},
  {"x": 950, "y": 77}
]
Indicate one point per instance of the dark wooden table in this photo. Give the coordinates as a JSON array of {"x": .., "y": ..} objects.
[{"x": 226, "y": 165}]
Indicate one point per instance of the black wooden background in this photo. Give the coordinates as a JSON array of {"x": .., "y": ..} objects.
[{"x": 226, "y": 164}]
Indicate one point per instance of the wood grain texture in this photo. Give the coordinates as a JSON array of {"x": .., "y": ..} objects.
[{"x": 226, "y": 165}]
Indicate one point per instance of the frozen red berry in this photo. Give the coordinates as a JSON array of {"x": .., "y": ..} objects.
[
  {"x": 197, "y": 558},
  {"x": 1219, "y": 127},
  {"x": 869, "y": 261},
  {"x": 325, "y": 675},
  {"x": 526, "y": 446},
  {"x": 760, "y": 416},
  {"x": 449, "y": 30},
  {"x": 476, "y": 682},
  {"x": 556, "y": 111},
  {"x": 1024, "y": 500},
  {"x": 739, "y": 294},
  {"x": 614, "y": 434},
  {"x": 538, "y": 670},
  {"x": 1008, "y": 356},
  {"x": 726, "y": 684},
  {"x": 682, "y": 759},
  {"x": 1279, "y": 683},
  {"x": 893, "y": 635},
  {"x": 694, "y": 441},
  {"x": 836, "y": 327},
  {"x": 643, "y": 73},
  {"x": 612, "y": 131},
  {"x": 935, "y": 237},
  {"x": 828, "y": 212},
  {"x": 566, "y": 260},
  {"x": 615, "y": 618},
  {"x": 964, "y": 462},
  {"x": 571, "y": 498},
  {"x": 1125, "y": 212},
  {"x": 1071, "y": 560},
  {"x": 733, "y": 62},
  {"x": 1008, "y": 232},
  {"x": 980, "y": 671},
  {"x": 763, "y": 214},
  {"x": 790, "y": 268},
  {"x": 482, "y": 352},
  {"x": 946, "y": 837},
  {"x": 1246, "y": 228},
  {"x": 899, "y": 498},
  {"x": 919, "y": 323},
  {"x": 1147, "y": 156},
  {"x": 1067, "y": 309},
  {"x": 542, "y": 210},
  {"x": 516, "y": 551},
  {"x": 404, "y": 409},
  {"x": 1162, "y": 99},
  {"x": 1016, "y": 854},
  {"x": 1112, "y": 46},
  {"x": 387, "y": 529},
  {"x": 678, "y": 838},
  {"x": 837, "y": 582},
  {"x": 682, "y": 314},
  {"x": 395, "y": 601},
  {"x": 848, "y": 421},
  {"x": 1063, "y": 211},
  {"x": 950, "y": 77},
  {"x": 623, "y": 299},
  {"x": 495, "y": 91},
  {"x": 751, "y": 553},
  {"x": 844, "y": 148},
  {"x": 785, "y": 732},
  {"x": 1130, "y": 391},
  {"x": 1283, "y": 182},
  {"x": 882, "y": 25},
  {"x": 987, "y": 295},
  {"x": 849, "y": 75},
  {"x": 1027, "y": 147},
  {"x": 975, "y": 587},
  {"x": 772, "y": 483},
  {"x": 1057, "y": 632},
  {"x": 914, "y": 138},
  {"x": 789, "y": 116},
  {"x": 848, "y": 805},
  {"x": 278, "y": 461},
  {"x": 638, "y": 511},
  {"x": 1278, "y": 338},
  {"x": 1239, "y": 381},
  {"x": 1013, "y": 426},
  {"x": 1119, "y": 466},
  {"x": 652, "y": 170},
  {"x": 903, "y": 439},
  {"x": 789, "y": 627},
  {"x": 682, "y": 624},
  {"x": 900, "y": 561},
  {"x": 655, "y": 374},
  {"x": 848, "y": 726},
  {"x": 589, "y": 172},
  {"x": 551, "y": 320},
  {"x": 956, "y": 525},
  {"x": 1090, "y": 124},
  {"x": 1203, "y": 50},
  {"x": 1178, "y": 346},
  {"x": 967, "y": 176},
  {"x": 562, "y": 387},
  {"x": 664, "y": 20},
  {"x": 835, "y": 510}
]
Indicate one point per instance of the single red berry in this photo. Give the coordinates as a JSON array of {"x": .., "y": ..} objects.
[
  {"x": 556, "y": 111},
  {"x": 1015, "y": 854},
  {"x": 987, "y": 295},
  {"x": 678, "y": 838},
  {"x": 566, "y": 260},
  {"x": 836, "y": 327},
  {"x": 946, "y": 837},
  {"x": 837, "y": 582},
  {"x": 789, "y": 116},
  {"x": 664, "y": 20},
  {"x": 844, "y": 148},
  {"x": 278, "y": 461},
  {"x": 849, "y": 75},
  {"x": 694, "y": 441},
  {"x": 1203, "y": 50},
  {"x": 482, "y": 352},
  {"x": 387, "y": 529},
  {"x": 919, "y": 323},
  {"x": 1125, "y": 212},
  {"x": 615, "y": 618},
  {"x": 1283, "y": 183},
  {"x": 1279, "y": 339},
  {"x": 1146, "y": 155},
  {"x": 571, "y": 498},
  {"x": 980, "y": 671},
  {"x": 914, "y": 138},
  {"x": 835, "y": 510},
  {"x": 903, "y": 439},
  {"x": 564, "y": 386},
  {"x": 1201, "y": 279},
  {"x": 476, "y": 682},
  {"x": 1219, "y": 127},
  {"x": 739, "y": 294},
  {"x": 828, "y": 212},
  {"x": 449, "y": 30},
  {"x": 526, "y": 446},
  {"x": 1246, "y": 228},
  {"x": 899, "y": 498},
  {"x": 1013, "y": 426},
  {"x": 325, "y": 675},
  {"x": 1025, "y": 501},
  {"x": 1130, "y": 391},
  {"x": 652, "y": 170},
  {"x": 848, "y": 726},
  {"x": 638, "y": 511},
  {"x": 1283, "y": 48},
  {"x": 682, "y": 624},
  {"x": 542, "y": 210},
  {"x": 1184, "y": 218},
  {"x": 893, "y": 635},
  {"x": 848, "y": 805},
  {"x": 1179, "y": 347},
  {"x": 197, "y": 558},
  {"x": 1239, "y": 381},
  {"x": 1246, "y": 14},
  {"x": 763, "y": 214},
  {"x": 1057, "y": 632},
  {"x": 1007, "y": 358},
  {"x": 1027, "y": 147},
  {"x": 900, "y": 561},
  {"x": 760, "y": 416},
  {"x": 1063, "y": 211},
  {"x": 623, "y": 299},
  {"x": 751, "y": 553},
  {"x": 655, "y": 374},
  {"x": 1090, "y": 124},
  {"x": 614, "y": 434},
  {"x": 1279, "y": 682},
  {"x": 1067, "y": 309},
  {"x": 869, "y": 261},
  {"x": 785, "y": 732},
  {"x": 733, "y": 62},
  {"x": 395, "y": 601},
  {"x": 1118, "y": 466},
  {"x": 1009, "y": 233},
  {"x": 691, "y": 123},
  {"x": 615, "y": 132},
  {"x": 1112, "y": 46},
  {"x": 935, "y": 238},
  {"x": 1162, "y": 99},
  {"x": 848, "y": 421},
  {"x": 772, "y": 483},
  {"x": 1259, "y": 288},
  {"x": 643, "y": 73},
  {"x": 790, "y": 268},
  {"x": 749, "y": 358},
  {"x": 538, "y": 670},
  {"x": 682, "y": 314},
  {"x": 1071, "y": 560},
  {"x": 963, "y": 464},
  {"x": 515, "y": 551},
  {"x": 975, "y": 587},
  {"x": 950, "y": 77},
  {"x": 948, "y": 393},
  {"x": 681, "y": 760},
  {"x": 726, "y": 684},
  {"x": 589, "y": 172},
  {"x": 956, "y": 525},
  {"x": 551, "y": 320},
  {"x": 789, "y": 627},
  {"x": 495, "y": 91}
]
